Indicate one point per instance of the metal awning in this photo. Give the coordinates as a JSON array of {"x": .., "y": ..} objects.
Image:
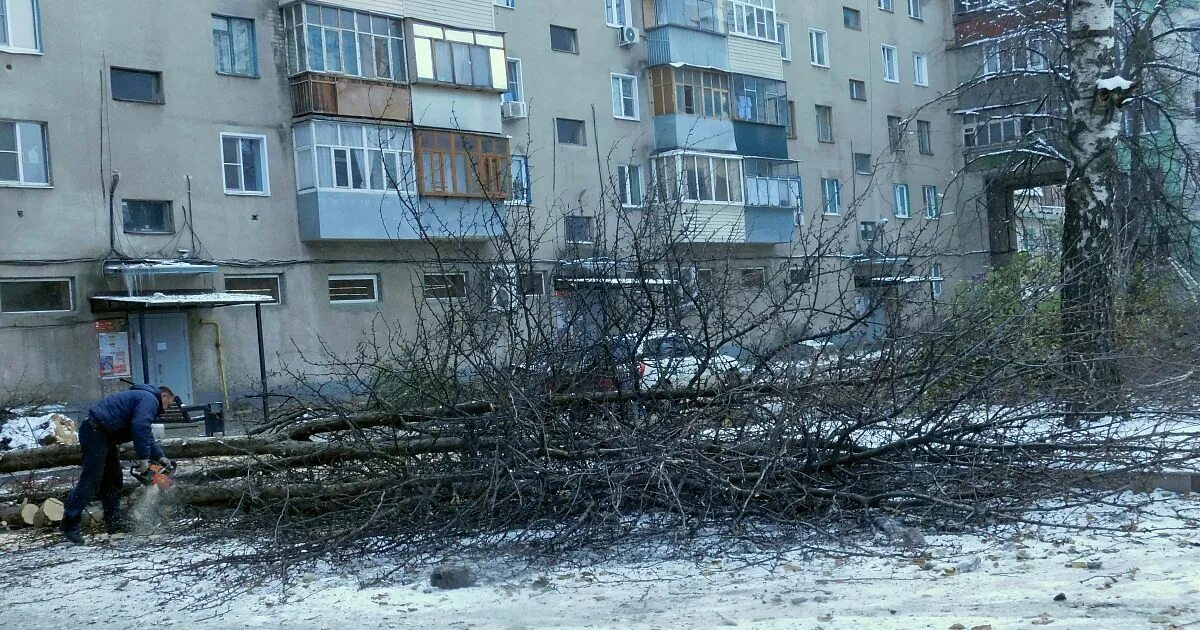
[
  {"x": 616, "y": 282},
  {"x": 175, "y": 301},
  {"x": 888, "y": 281},
  {"x": 159, "y": 267}
]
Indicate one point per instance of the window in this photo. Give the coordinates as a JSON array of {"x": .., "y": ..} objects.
[
  {"x": 629, "y": 185},
  {"x": 824, "y": 123},
  {"x": 818, "y": 47},
  {"x": 783, "y": 33},
  {"x": 920, "y": 69},
  {"x": 533, "y": 283},
  {"x": 799, "y": 276},
  {"x": 791, "y": 122},
  {"x": 578, "y": 229},
  {"x": 142, "y": 86},
  {"x": 354, "y": 156},
  {"x": 459, "y": 57},
  {"x": 570, "y": 131},
  {"x": 442, "y": 286},
  {"x": 36, "y": 296},
  {"x": 699, "y": 177},
  {"x": 901, "y": 201},
  {"x": 245, "y": 164},
  {"x": 936, "y": 281},
  {"x": 618, "y": 12},
  {"x": 868, "y": 231},
  {"x": 858, "y": 90},
  {"x": 754, "y": 277},
  {"x": 690, "y": 91},
  {"x": 862, "y": 163},
  {"x": 353, "y": 289},
  {"x": 891, "y": 64},
  {"x": 140, "y": 216},
  {"x": 563, "y": 39},
  {"x": 453, "y": 164},
  {"x": 895, "y": 133},
  {"x": 624, "y": 96},
  {"x": 991, "y": 58},
  {"x": 516, "y": 88},
  {"x": 772, "y": 183},
  {"x": 255, "y": 285},
  {"x": 508, "y": 4},
  {"x": 23, "y": 156},
  {"x": 914, "y": 9},
  {"x": 1195, "y": 108},
  {"x": 852, "y": 18},
  {"x": 924, "y": 137},
  {"x": 1039, "y": 53},
  {"x": 887, "y": 5},
  {"x": 234, "y": 46},
  {"x": 20, "y": 30},
  {"x": 831, "y": 196},
  {"x": 933, "y": 204},
  {"x": 518, "y": 177},
  {"x": 342, "y": 41},
  {"x": 752, "y": 18},
  {"x": 759, "y": 100}
]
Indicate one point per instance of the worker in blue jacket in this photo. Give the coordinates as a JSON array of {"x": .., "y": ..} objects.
[{"x": 120, "y": 418}]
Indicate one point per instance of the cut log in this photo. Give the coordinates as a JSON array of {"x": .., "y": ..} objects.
[
  {"x": 29, "y": 513},
  {"x": 10, "y": 517},
  {"x": 53, "y": 510}
]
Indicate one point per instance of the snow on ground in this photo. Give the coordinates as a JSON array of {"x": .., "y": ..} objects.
[
  {"x": 1145, "y": 573},
  {"x": 27, "y": 431}
]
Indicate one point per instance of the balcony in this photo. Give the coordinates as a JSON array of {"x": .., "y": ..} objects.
[
  {"x": 680, "y": 45},
  {"x": 333, "y": 95},
  {"x": 337, "y": 215},
  {"x": 772, "y": 199}
]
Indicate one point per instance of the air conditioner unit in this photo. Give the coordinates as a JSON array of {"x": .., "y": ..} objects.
[
  {"x": 629, "y": 36},
  {"x": 513, "y": 109}
]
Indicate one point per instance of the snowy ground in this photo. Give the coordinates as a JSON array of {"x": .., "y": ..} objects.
[{"x": 1143, "y": 574}]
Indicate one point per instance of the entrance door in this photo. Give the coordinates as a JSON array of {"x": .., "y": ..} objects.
[{"x": 167, "y": 351}]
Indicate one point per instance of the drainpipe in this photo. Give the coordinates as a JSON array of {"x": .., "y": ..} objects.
[{"x": 220, "y": 363}]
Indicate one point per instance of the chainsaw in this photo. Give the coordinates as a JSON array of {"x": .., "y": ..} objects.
[{"x": 154, "y": 475}]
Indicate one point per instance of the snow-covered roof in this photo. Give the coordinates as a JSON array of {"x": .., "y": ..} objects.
[
  {"x": 624, "y": 282},
  {"x": 1114, "y": 83},
  {"x": 154, "y": 267},
  {"x": 193, "y": 300}
]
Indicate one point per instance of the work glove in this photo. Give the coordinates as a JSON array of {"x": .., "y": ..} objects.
[
  {"x": 164, "y": 462},
  {"x": 143, "y": 466}
]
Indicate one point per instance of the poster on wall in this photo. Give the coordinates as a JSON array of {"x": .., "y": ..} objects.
[{"x": 114, "y": 349}]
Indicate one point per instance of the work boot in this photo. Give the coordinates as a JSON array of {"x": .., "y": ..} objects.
[
  {"x": 71, "y": 533},
  {"x": 117, "y": 525}
]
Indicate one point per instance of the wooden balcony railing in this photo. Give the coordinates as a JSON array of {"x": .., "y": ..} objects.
[{"x": 347, "y": 96}]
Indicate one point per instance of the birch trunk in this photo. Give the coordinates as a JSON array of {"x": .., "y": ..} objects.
[{"x": 1089, "y": 257}]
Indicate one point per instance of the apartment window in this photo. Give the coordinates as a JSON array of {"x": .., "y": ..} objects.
[
  {"x": 868, "y": 231},
  {"x": 244, "y": 160},
  {"x": 267, "y": 285},
  {"x": 852, "y": 18},
  {"x": 895, "y": 133},
  {"x": 624, "y": 96},
  {"x": 459, "y": 57},
  {"x": 578, "y": 229},
  {"x": 533, "y": 283},
  {"x": 754, "y": 277},
  {"x": 772, "y": 183},
  {"x": 936, "y": 281},
  {"x": 569, "y": 131},
  {"x": 858, "y": 90},
  {"x": 901, "y": 201},
  {"x": 891, "y": 64},
  {"x": 444, "y": 286},
  {"x": 354, "y": 156},
  {"x": 783, "y": 33},
  {"x": 991, "y": 58},
  {"x": 24, "y": 159},
  {"x": 141, "y": 216},
  {"x": 924, "y": 137},
  {"x": 563, "y": 39},
  {"x": 791, "y": 122},
  {"x": 920, "y": 69},
  {"x": 20, "y": 30},
  {"x": 933, "y": 204},
  {"x": 698, "y": 177},
  {"x": 36, "y": 296},
  {"x": 516, "y": 88},
  {"x": 798, "y": 276},
  {"x": 752, "y": 18},
  {"x": 818, "y": 47},
  {"x": 759, "y": 100},
  {"x": 618, "y": 12},
  {"x": 629, "y": 185},
  {"x": 887, "y": 5},
  {"x": 862, "y": 163},
  {"x": 453, "y": 164},
  {"x": 342, "y": 41},
  {"x": 978, "y": 131},
  {"x": 234, "y": 46},
  {"x": 1039, "y": 53},
  {"x": 508, "y": 4},
  {"x": 689, "y": 91},
  {"x": 353, "y": 289},
  {"x": 141, "y": 86},
  {"x": 831, "y": 196},
  {"x": 1195, "y": 108},
  {"x": 914, "y": 9},
  {"x": 824, "y": 123},
  {"x": 518, "y": 177}
]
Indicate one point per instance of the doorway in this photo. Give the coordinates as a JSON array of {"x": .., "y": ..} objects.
[{"x": 168, "y": 352}]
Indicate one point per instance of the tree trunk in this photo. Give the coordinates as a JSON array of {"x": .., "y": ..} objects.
[{"x": 1088, "y": 257}]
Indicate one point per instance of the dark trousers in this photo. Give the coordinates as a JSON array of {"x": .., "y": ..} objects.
[{"x": 101, "y": 472}]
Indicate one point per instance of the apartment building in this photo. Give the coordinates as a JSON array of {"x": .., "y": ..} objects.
[{"x": 308, "y": 171}]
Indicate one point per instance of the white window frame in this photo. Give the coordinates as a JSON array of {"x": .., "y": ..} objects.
[
  {"x": 818, "y": 47},
  {"x": 891, "y": 63},
  {"x": 1038, "y": 54},
  {"x": 924, "y": 137},
  {"x": 936, "y": 280},
  {"x": 70, "y": 291},
  {"x": 991, "y": 58},
  {"x": 618, "y": 13},
  {"x": 542, "y": 279},
  {"x": 523, "y": 161},
  {"x": 901, "y": 201},
  {"x": 887, "y": 5},
  {"x": 783, "y": 32},
  {"x": 278, "y": 278},
  {"x": 933, "y": 202},
  {"x": 679, "y": 159},
  {"x": 6, "y": 28},
  {"x": 831, "y": 196},
  {"x": 763, "y": 29},
  {"x": 507, "y": 4},
  {"x": 398, "y": 46},
  {"x": 20, "y": 182},
  {"x": 466, "y": 284},
  {"x": 591, "y": 229},
  {"x": 619, "y": 82},
  {"x": 914, "y": 10},
  {"x": 517, "y": 77},
  {"x": 821, "y": 136},
  {"x": 405, "y": 159},
  {"x": 921, "y": 69},
  {"x": 623, "y": 175},
  {"x": 374, "y": 278},
  {"x": 266, "y": 170},
  {"x": 864, "y": 89}
]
